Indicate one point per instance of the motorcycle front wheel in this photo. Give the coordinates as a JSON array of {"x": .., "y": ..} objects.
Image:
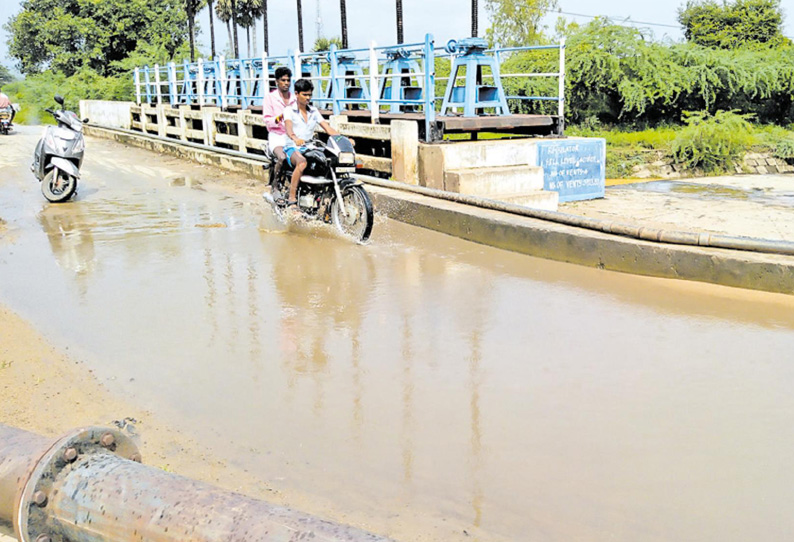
[
  {"x": 60, "y": 190},
  {"x": 360, "y": 216}
]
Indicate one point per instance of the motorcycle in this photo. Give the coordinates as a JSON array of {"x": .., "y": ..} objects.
[
  {"x": 6, "y": 113},
  {"x": 327, "y": 191},
  {"x": 59, "y": 155}
]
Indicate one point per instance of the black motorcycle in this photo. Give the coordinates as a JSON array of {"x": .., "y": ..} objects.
[{"x": 327, "y": 191}]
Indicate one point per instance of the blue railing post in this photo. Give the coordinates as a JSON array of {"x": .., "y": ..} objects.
[
  {"x": 172, "y": 94},
  {"x": 337, "y": 90},
  {"x": 430, "y": 86},
  {"x": 148, "y": 85}
]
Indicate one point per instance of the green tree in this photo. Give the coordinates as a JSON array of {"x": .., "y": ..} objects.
[
  {"x": 68, "y": 35},
  {"x": 5, "y": 75},
  {"x": 729, "y": 25},
  {"x": 228, "y": 11},
  {"x": 191, "y": 8},
  {"x": 248, "y": 11},
  {"x": 324, "y": 44},
  {"x": 516, "y": 22}
]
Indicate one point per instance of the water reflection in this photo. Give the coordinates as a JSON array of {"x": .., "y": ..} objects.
[{"x": 71, "y": 239}]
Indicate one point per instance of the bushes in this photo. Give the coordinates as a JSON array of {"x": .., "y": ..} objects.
[
  {"x": 713, "y": 143},
  {"x": 615, "y": 75}
]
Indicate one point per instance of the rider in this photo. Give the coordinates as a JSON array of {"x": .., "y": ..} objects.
[
  {"x": 5, "y": 103},
  {"x": 273, "y": 111},
  {"x": 301, "y": 121}
]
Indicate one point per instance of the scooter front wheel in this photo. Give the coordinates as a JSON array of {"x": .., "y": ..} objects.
[{"x": 57, "y": 186}]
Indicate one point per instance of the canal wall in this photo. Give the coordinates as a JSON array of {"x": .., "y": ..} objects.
[{"x": 532, "y": 236}]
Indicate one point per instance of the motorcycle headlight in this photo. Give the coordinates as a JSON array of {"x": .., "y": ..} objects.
[{"x": 347, "y": 158}]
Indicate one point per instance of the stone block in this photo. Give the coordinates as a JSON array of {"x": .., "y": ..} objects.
[
  {"x": 762, "y": 170},
  {"x": 405, "y": 151},
  {"x": 493, "y": 182}
]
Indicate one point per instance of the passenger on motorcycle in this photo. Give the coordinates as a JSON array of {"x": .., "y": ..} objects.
[
  {"x": 273, "y": 111},
  {"x": 5, "y": 103},
  {"x": 301, "y": 121}
]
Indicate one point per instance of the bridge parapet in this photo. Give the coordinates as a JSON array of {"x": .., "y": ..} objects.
[{"x": 374, "y": 82}]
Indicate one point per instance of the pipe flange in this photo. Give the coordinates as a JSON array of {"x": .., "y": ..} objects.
[{"x": 31, "y": 520}]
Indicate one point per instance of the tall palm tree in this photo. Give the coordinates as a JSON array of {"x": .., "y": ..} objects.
[
  {"x": 225, "y": 16},
  {"x": 212, "y": 29},
  {"x": 228, "y": 11},
  {"x": 265, "y": 45},
  {"x": 473, "y": 18},
  {"x": 191, "y": 8},
  {"x": 399, "y": 21},
  {"x": 343, "y": 11},
  {"x": 248, "y": 11},
  {"x": 300, "y": 26}
]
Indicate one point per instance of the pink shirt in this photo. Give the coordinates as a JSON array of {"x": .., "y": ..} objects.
[
  {"x": 4, "y": 101},
  {"x": 273, "y": 107}
]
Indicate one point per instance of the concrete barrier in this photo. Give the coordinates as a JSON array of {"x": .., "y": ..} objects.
[{"x": 107, "y": 113}]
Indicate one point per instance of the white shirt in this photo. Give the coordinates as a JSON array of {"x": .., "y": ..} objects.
[{"x": 303, "y": 129}]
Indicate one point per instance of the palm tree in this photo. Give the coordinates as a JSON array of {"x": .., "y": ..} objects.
[
  {"x": 212, "y": 29},
  {"x": 300, "y": 26},
  {"x": 473, "y": 18},
  {"x": 191, "y": 7},
  {"x": 248, "y": 11},
  {"x": 228, "y": 11},
  {"x": 343, "y": 11},
  {"x": 225, "y": 16},
  {"x": 399, "y": 21},
  {"x": 266, "y": 45}
]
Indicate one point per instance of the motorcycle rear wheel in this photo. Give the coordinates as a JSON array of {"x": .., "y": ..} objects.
[
  {"x": 360, "y": 216},
  {"x": 63, "y": 191}
]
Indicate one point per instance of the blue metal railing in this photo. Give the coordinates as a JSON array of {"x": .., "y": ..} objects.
[{"x": 379, "y": 79}]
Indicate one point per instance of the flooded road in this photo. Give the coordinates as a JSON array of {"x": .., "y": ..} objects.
[{"x": 420, "y": 386}]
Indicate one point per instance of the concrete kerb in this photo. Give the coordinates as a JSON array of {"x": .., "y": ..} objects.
[{"x": 532, "y": 236}]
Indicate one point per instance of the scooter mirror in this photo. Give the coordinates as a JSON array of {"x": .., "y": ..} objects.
[
  {"x": 85, "y": 120},
  {"x": 59, "y": 99}
]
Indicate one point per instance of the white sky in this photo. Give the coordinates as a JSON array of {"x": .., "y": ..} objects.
[{"x": 375, "y": 20}]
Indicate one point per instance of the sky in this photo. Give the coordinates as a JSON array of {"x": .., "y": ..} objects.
[{"x": 374, "y": 20}]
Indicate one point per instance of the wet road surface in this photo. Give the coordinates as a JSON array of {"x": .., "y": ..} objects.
[{"x": 445, "y": 390}]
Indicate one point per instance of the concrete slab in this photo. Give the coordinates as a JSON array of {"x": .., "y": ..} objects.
[{"x": 738, "y": 205}]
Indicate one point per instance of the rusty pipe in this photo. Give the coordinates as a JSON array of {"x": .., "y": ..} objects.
[
  {"x": 88, "y": 486},
  {"x": 19, "y": 450}
]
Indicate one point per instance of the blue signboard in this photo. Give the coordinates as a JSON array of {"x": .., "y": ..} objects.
[{"x": 574, "y": 167}]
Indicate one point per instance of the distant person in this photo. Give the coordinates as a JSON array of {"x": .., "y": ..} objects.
[
  {"x": 273, "y": 111},
  {"x": 5, "y": 103},
  {"x": 301, "y": 121}
]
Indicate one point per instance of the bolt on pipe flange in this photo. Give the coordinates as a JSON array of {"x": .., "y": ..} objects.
[{"x": 68, "y": 453}]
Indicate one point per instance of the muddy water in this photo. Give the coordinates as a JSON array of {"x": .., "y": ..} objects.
[{"x": 439, "y": 389}]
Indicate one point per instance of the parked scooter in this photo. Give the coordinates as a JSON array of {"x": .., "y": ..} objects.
[{"x": 59, "y": 155}]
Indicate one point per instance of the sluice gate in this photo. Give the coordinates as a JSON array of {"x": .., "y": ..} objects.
[{"x": 90, "y": 486}]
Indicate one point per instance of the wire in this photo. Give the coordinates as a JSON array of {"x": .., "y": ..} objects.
[{"x": 625, "y": 19}]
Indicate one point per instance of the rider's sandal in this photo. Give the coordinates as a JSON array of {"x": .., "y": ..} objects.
[{"x": 292, "y": 206}]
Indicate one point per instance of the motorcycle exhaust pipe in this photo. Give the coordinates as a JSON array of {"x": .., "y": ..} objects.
[{"x": 89, "y": 486}]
